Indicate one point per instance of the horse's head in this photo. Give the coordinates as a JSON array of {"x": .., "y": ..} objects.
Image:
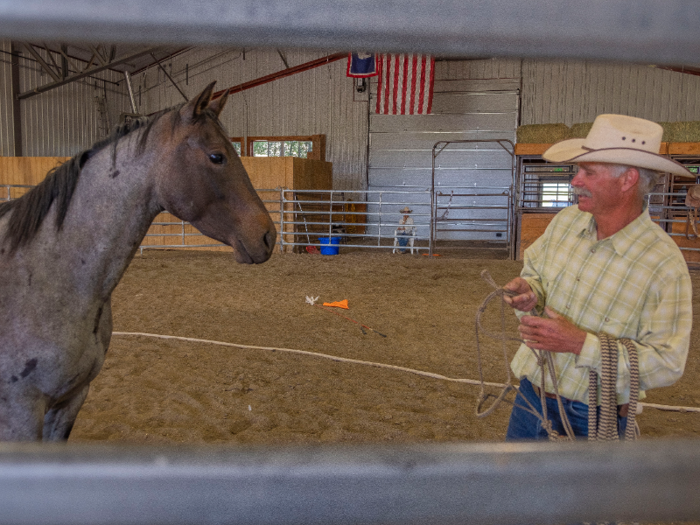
[{"x": 202, "y": 181}]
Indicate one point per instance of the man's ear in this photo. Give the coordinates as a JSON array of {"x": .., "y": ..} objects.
[{"x": 630, "y": 178}]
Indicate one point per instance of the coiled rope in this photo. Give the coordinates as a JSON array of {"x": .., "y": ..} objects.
[{"x": 606, "y": 428}]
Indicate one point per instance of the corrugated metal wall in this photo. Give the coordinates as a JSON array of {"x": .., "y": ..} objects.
[
  {"x": 318, "y": 101},
  {"x": 65, "y": 120},
  {"x": 7, "y": 143},
  {"x": 571, "y": 92}
]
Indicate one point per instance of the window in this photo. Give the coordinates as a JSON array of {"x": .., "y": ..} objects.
[
  {"x": 307, "y": 147},
  {"x": 555, "y": 194},
  {"x": 237, "y": 143},
  {"x": 284, "y": 148}
]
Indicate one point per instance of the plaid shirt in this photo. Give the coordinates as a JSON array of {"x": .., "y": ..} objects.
[{"x": 633, "y": 284}]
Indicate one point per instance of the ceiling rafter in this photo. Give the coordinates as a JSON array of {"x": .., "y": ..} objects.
[
  {"x": 96, "y": 53},
  {"x": 46, "y": 67},
  {"x": 58, "y": 81},
  {"x": 53, "y": 61}
]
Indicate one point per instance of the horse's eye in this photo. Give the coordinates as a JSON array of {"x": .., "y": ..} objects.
[{"x": 217, "y": 158}]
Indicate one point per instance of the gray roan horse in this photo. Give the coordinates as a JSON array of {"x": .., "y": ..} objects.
[{"x": 65, "y": 245}]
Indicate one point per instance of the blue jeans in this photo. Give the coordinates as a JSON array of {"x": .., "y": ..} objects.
[{"x": 523, "y": 425}]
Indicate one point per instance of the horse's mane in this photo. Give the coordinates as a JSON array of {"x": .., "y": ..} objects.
[{"x": 30, "y": 210}]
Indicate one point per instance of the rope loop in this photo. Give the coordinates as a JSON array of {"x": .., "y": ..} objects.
[{"x": 544, "y": 360}]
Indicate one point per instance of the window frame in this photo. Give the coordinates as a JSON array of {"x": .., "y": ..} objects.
[{"x": 318, "y": 151}]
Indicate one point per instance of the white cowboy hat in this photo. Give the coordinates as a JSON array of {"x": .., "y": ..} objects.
[
  {"x": 619, "y": 139},
  {"x": 406, "y": 210}
]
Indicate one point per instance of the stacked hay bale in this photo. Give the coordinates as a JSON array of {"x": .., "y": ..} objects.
[
  {"x": 542, "y": 133},
  {"x": 681, "y": 131},
  {"x": 551, "y": 133},
  {"x": 579, "y": 131}
]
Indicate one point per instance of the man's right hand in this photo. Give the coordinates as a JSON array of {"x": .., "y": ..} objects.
[{"x": 525, "y": 299}]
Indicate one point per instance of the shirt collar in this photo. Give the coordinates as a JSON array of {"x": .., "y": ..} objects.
[{"x": 626, "y": 237}]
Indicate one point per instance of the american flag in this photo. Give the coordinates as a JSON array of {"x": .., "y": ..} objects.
[{"x": 405, "y": 84}]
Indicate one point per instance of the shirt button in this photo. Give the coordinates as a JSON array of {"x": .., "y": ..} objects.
[
  {"x": 578, "y": 279},
  {"x": 567, "y": 306},
  {"x": 607, "y": 319},
  {"x": 592, "y": 250}
]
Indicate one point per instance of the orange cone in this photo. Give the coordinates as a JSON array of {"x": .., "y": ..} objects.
[{"x": 339, "y": 304}]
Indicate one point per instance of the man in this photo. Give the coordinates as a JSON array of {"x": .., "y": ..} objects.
[{"x": 602, "y": 267}]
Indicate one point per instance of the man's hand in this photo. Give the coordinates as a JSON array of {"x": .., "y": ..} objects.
[
  {"x": 525, "y": 300},
  {"x": 555, "y": 334}
]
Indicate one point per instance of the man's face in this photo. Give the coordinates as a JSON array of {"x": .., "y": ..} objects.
[{"x": 597, "y": 188}]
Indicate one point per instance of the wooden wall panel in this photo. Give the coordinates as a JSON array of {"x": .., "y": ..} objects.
[
  {"x": 312, "y": 174},
  {"x": 27, "y": 170},
  {"x": 532, "y": 225},
  {"x": 269, "y": 172}
]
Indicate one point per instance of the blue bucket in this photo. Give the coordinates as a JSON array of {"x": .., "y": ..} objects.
[{"x": 329, "y": 250}]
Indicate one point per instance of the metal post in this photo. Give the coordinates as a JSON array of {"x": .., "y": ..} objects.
[
  {"x": 330, "y": 220},
  {"x": 381, "y": 220},
  {"x": 129, "y": 87},
  {"x": 433, "y": 203},
  {"x": 281, "y": 220}
]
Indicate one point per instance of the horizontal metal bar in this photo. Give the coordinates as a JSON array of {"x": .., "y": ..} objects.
[
  {"x": 388, "y": 245},
  {"x": 152, "y": 246},
  {"x": 447, "y": 484},
  {"x": 467, "y": 230},
  {"x": 632, "y": 30}
]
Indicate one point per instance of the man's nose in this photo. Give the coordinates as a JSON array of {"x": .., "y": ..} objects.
[{"x": 576, "y": 181}]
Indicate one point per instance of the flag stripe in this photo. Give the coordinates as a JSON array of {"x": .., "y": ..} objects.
[{"x": 405, "y": 84}]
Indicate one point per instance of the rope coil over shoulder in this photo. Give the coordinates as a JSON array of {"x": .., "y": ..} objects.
[{"x": 603, "y": 430}]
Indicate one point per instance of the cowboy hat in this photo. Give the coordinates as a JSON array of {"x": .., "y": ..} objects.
[
  {"x": 406, "y": 210},
  {"x": 619, "y": 139}
]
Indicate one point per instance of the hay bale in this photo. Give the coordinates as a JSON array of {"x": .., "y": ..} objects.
[
  {"x": 669, "y": 131},
  {"x": 580, "y": 130},
  {"x": 681, "y": 131},
  {"x": 542, "y": 133}
]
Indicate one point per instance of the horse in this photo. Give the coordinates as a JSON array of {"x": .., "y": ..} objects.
[{"x": 65, "y": 245}]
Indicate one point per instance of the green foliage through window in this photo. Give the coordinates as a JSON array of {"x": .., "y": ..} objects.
[{"x": 286, "y": 148}]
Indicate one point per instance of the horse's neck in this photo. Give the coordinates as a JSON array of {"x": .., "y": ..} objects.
[{"x": 109, "y": 214}]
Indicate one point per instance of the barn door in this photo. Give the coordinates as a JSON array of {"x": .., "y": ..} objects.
[{"x": 472, "y": 179}]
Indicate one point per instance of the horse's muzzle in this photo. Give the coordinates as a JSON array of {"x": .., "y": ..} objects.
[{"x": 255, "y": 254}]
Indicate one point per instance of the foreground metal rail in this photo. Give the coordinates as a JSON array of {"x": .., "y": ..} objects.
[
  {"x": 446, "y": 484},
  {"x": 633, "y": 30}
]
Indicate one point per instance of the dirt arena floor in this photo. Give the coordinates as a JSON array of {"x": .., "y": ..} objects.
[{"x": 171, "y": 391}]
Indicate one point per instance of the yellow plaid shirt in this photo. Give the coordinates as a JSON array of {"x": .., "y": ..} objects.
[{"x": 634, "y": 284}]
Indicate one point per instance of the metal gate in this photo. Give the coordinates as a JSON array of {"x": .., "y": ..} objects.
[{"x": 478, "y": 210}]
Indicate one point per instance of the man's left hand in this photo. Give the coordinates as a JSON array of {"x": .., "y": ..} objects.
[{"x": 555, "y": 334}]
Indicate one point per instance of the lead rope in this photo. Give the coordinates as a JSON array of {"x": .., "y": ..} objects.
[
  {"x": 603, "y": 430},
  {"x": 544, "y": 360}
]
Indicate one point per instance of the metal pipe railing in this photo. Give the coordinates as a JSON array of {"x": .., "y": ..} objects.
[{"x": 504, "y": 483}]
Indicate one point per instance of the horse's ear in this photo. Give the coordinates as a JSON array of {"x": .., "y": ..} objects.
[
  {"x": 196, "y": 107},
  {"x": 217, "y": 105}
]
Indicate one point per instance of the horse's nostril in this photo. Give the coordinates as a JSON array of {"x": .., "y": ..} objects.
[{"x": 269, "y": 239}]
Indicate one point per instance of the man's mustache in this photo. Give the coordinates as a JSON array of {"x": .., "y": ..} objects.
[{"x": 582, "y": 192}]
